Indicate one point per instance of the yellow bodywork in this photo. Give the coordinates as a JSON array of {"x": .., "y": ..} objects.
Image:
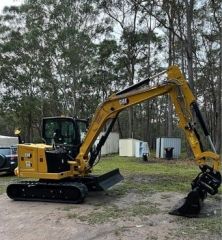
[
  {"x": 32, "y": 163},
  {"x": 32, "y": 159}
]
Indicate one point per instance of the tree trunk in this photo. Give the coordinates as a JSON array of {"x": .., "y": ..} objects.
[
  {"x": 218, "y": 141},
  {"x": 219, "y": 108},
  {"x": 170, "y": 61},
  {"x": 29, "y": 128},
  {"x": 189, "y": 41},
  {"x": 130, "y": 119}
]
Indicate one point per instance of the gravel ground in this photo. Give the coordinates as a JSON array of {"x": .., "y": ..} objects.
[{"x": 105, "y": 216}]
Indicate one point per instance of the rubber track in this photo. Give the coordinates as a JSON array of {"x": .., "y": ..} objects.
[{"x": 63, "y": 192}]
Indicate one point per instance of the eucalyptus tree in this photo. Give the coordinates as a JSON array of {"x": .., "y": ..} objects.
[
  {"x": 47, "y": 54},
  {"x": 19, "y": 71},
  {"x": 68, "y": 51},
  {"x": 216, "y": 7},
  {"x": 135, "y": 36},
  {"x": 209, "y": 62}
]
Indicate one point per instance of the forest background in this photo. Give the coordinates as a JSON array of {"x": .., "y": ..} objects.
[{"x": 64, "y": 57}]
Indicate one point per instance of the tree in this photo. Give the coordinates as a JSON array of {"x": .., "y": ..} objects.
[
  {"x": 65, "y": 57},
  {"x": 136, "y": 37}
]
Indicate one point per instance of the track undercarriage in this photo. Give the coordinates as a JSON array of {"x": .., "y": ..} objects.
[
  {"x": 70, "y": 190},
  {"x": 66, "y": 192}
]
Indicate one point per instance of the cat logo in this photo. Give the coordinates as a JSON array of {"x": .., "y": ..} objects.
[
  {"x": 123, "y": 101},
  {"x": 27, "y": 155}
]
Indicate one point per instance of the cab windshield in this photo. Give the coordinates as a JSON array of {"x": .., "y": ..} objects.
[{"x": 60, "y": 131}]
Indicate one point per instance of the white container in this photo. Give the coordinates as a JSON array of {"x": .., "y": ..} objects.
[
  {"x": 7, "y": 141},
  {"x": 132, "y": 148},
  {"x": 138, "y": 148},
  {"x": 126, "y": 147},
  {"x": 163, "y": 143}
]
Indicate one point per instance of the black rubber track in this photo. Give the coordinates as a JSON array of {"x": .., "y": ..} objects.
[{"x": 63, "y": 192}]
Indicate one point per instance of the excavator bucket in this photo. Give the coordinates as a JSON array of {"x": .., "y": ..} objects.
[
  {"x": 207, "y": 181},
  {"x": 189, "y": 206},
  {"x": 102, "y": 182}
]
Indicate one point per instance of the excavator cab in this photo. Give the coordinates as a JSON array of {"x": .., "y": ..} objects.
[{"x": 66, "y": 132}]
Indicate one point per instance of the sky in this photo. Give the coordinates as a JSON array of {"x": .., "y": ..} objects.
[{"x": 4, "y": 3}]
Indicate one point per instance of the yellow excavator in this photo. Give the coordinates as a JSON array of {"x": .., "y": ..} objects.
[{"x": 63, "y": 163}]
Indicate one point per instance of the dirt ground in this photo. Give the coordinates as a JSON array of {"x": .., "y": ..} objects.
[{"x": 106, "y": 216}]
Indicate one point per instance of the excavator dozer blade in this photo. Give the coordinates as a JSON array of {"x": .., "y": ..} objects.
[
  {"x": 109, "y": 179},
  {"x": 102, "y": 182},
  {"x": 189, "y": 206}
]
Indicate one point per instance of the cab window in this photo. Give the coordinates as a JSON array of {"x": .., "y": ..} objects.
[{"x": 61, "y": 130}]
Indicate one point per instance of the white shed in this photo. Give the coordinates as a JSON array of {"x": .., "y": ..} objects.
[
  {"x": 131, "y": 147},
  {"x": 163, "y": 143},
  {"x": 111, "y": 145}
]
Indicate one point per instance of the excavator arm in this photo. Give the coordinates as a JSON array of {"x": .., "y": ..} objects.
[
  {"x": 208, "y": 181},
  {"x": 108, "y": 112}
]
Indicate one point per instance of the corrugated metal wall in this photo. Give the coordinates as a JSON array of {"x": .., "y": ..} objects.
[
  {"x": 162, "y": 143},
  {"x": 111, "y": 145}
]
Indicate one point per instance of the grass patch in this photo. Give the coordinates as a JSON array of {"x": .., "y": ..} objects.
[
  {"x": 72, "y": 215},
  {"x": 4, "y": 181},
  {"x": 210, "y": 226},
  {"x": 69, "y": 207},
  {"x": 2, "y": 189},
  {"x": 97, "y": 217},
  {"x": 155, "y": 175},
  {"x": 158, "y": 183},
  {"x": 130, "y": 165},
  {"x": 142, "y": 210},
  {"x": 110, "y": 213}
]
